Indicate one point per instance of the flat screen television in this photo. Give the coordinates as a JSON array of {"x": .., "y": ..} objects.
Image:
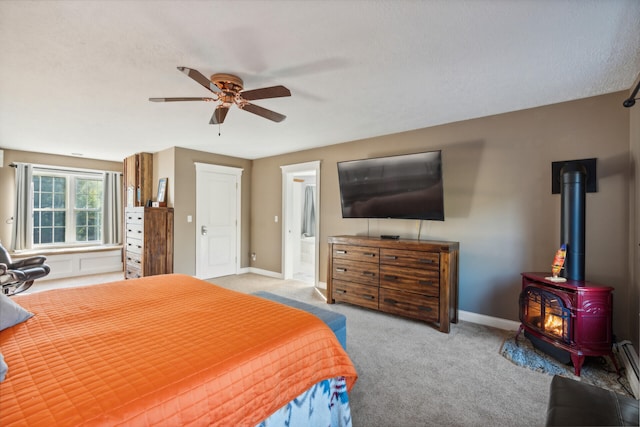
[{"x": 407, "y": 186}]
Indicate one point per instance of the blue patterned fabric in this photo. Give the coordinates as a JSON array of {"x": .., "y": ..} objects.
[{"x": 324, "y": 404}]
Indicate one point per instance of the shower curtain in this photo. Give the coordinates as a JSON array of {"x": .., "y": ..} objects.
[{"x": 309, "y": 212}]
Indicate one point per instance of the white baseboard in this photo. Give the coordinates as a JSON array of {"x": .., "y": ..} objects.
[
  {"x": 265, "y": 272},
  {"x": 495, "y": 322}
]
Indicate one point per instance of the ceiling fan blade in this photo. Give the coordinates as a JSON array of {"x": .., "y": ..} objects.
[
  {"x": 180, "y": 99},
  {"x": 219, "y": 115},
  {"x": 267, "y": 92},
  {"x": 202, "y": 80},
  {"x": 263, "y": 112}
]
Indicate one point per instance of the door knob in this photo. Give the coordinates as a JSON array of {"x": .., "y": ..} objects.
[{"x": 203, "y": 230}]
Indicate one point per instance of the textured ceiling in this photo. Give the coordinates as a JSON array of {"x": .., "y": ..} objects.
[{"x": 75, "y": 77}]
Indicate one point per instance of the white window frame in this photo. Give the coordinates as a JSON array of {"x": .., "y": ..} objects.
[{"x": 70, "y": 224}]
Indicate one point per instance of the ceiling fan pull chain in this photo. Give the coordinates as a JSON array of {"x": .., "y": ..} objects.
[{"x": 218, "y": 129}]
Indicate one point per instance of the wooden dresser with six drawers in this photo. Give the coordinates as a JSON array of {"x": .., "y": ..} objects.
[{"x": 410, "y": 278}]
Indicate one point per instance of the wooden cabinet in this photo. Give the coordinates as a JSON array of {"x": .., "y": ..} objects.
[
  {"x": 410, "y": 278},
  {"x": 148, "y": 241},
  {"x": 138, "y": 179}
]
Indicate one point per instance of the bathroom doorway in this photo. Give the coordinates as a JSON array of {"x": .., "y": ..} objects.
[{"x": 301, "y": 221}]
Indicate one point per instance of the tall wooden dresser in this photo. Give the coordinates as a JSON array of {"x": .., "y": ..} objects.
[
  {"x": 410, "y": 278},
  {"x": 148, "y": 241}
]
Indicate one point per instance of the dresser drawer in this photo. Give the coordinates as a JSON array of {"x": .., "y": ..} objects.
[
  {"x": 416, "y": 259},
  {"x": 354, "y": 293},
  {"x": 410, "y": 305},
  {"x": 425, "y": 282},
  {"x": 135, "y": 230},
  {"x": 132, "y": 272},
  {"x": 352, "y": 271},
  {"x": 133, "y": 259},
  {"x": 356, "y": 253},
  {"x": 134, "y": 217},
  {"x": 134, "y": 245}
]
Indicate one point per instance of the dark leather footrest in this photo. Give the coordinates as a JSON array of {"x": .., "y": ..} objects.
[{"x": 573, "y": 403}]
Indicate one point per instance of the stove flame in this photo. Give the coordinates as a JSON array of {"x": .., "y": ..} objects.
[{"x": 554, "y": 325}]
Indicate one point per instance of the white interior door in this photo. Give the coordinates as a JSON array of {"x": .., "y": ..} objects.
[{"x": 217, "y": 220}]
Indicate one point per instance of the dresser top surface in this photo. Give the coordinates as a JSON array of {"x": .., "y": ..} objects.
[{"x": 379, "y": 242}]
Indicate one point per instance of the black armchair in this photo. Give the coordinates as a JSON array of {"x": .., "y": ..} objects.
[{"x": 18, "y": 276}]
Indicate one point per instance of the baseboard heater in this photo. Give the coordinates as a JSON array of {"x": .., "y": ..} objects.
[{"x": 627, "y": 355}]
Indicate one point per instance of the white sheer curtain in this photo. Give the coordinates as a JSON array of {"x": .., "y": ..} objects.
[
  {"x": 112, "y": 208},
  {"x": 22, "y": 232}
]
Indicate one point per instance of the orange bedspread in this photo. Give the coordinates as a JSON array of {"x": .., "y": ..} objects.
[{"x": 161, "y": 350}]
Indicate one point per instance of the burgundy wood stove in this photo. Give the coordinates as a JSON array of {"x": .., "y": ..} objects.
[
  {"x": 570, "y": 318},
  {"x": 573, "y": 316}
]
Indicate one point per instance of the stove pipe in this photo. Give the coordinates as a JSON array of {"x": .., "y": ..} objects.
[{"x": 572, "y": 219}]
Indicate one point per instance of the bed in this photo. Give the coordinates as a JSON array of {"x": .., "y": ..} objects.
[{"x": 170, "y": 350}]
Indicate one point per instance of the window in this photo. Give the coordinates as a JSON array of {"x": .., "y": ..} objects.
[{"x": 67, "y": 207}]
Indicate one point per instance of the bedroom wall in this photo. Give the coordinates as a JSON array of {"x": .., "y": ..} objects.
[
  {"x": 498, "y": 199},
  {"x": 182, "y": 196},
  {"x": 7, "y": 179}
]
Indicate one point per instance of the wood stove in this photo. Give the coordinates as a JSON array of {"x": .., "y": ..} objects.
[
  {"x": 574, "y": 317},
  {"x": 568, "y": 317}
]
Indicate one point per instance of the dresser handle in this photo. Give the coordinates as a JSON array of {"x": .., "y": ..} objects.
[
  {"x": 424, "y": 308},
  {"x": 370, "y": 297},
  {"x": 425, "y": 282},
  {"x": 369, "y": 273},
  {"x": 390, "y": 301},
  {"x": 341, "y": 270},
  {"x": 341, "y": 252},
  {"x": 390, "y": 277},
  {"x": 340, "y": 291},
  {"x": 369, "y": 254},
  {"x": 425, "y": 261},
  {"x": 390, "y": 257}
]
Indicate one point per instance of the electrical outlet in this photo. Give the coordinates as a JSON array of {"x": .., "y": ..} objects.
[{"x": 253, "y": 256}]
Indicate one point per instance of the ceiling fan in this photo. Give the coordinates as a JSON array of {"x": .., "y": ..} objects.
[{"x": 228, "y": 90}]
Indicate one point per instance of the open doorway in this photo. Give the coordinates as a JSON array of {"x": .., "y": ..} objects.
[{"x": 301, "y": 221}]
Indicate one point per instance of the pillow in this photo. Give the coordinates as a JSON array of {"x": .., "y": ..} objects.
[
  {"x": 3, "y": 368},
  {"x": 11, "y": 313}
]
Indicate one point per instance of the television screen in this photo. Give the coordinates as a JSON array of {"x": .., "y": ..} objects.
[{"x": 406, "y": 186}]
